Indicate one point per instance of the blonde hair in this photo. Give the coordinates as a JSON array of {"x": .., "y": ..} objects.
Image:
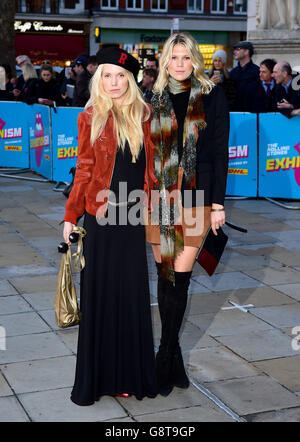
[
  {"x": 28, "y": 71},
  {"x": 196, "y": 59},
  {"x": 128, "y": 117}
]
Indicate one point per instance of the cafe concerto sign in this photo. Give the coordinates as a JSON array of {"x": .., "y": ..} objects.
[{"x": 39, "y": 27}]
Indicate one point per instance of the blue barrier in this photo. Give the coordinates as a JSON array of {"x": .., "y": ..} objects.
[
  {"x": 242, "y": 167},
  {"x": 46, "y": 141},
  {"x": 14, "y": 146},
  {"x": 279, "y": 156},
  {"x": 64, "y": 142},
  {"x": 39, "y": 126}
]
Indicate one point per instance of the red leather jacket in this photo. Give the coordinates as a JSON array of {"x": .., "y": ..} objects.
[{"x": 95, "y": 167}]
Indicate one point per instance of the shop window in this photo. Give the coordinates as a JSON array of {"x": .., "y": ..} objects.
[
  {"x": 240, "y": 6},
  {"x": 36, "y": 6},
  {"x": 110, "y": 4},
  {"x": 40, "y": 6},
  {"x": 195, "y": 5},
  {"x": 70, "y": 4},
  {"x": 207, "y": 51},
  {"x": 218, "y": 6},
  {"x": 159, "y": 5},
  {"x": 18, "y": 5},
  {"x": 54, "y": 6},
  {"x": 134, "y": 4}
]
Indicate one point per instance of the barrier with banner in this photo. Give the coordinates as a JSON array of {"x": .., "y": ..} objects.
[
  {"x": 242, "y": 167},
  {"x": 279, "y": 156},
  {"x": 35, "y": 137},
  {"x": 39, "y": 126},
  {"x": 14, "y": 147},
  {"x": 64, "y": 142}
]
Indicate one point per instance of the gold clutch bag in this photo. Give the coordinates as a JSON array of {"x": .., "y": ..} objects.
[{"x": 67, "y": 313}]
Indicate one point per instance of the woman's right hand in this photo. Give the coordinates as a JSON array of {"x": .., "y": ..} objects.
[
  {"x": 68, "y": 229},
  {"x": 216, "y": 79}
]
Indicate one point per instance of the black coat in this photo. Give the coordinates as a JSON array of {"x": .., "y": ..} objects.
[
  {"x": 28, "y": 92},
  {"x": 250, "y": 96},
  {"x": 230, "y": 90},
  {"x": 292, "y": 96},
  {"x": 269, "y": 101},
  {"x": 82, "y": 92},
  {"x": 212, "y": 148},
  {"x": 42, "y": 89}
]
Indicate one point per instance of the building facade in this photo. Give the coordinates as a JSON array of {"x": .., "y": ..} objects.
[
  {"x": 142, "y": 26},
  {"x": 54, "y": 30},
  {"x": 60, "y": 30}
]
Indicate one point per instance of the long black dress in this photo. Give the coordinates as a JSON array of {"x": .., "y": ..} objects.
[{"x": 115, "y": 344}]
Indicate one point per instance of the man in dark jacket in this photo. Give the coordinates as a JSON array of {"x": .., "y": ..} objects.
[
  {"x": 268, "y": 84},
  {"x": 83, "y": 78},
  {"x": 287, "y": 90},
  {"x": 250, "y": 96},
  {"x": 149, "y": 78}
]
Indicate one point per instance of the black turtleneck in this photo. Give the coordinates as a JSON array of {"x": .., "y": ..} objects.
[{"x": 180, "y": 105}]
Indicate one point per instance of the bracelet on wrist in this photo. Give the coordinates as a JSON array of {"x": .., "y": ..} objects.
[{"x": 218, "y": 210}]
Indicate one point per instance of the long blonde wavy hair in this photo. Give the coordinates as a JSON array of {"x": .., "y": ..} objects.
[
  {"x": 28, "y": 71},
  {"x": 191, "y": 45},
  {"x": 128, "y": 117}
]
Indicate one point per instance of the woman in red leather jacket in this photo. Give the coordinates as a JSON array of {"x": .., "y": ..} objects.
[{"x": 115, "y": 344}]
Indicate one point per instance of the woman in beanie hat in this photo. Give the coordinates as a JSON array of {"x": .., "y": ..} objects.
[
  {"x": 190, "y": 128},
  {"x": 220, "y": 75},
  {"x": 115, "y": 345}
]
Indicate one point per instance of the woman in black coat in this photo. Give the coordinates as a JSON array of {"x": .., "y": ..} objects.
[
  {"x": 220, "y": 76},
  {"x": 45, "y": 90},
  {"x": 190, "y": 128}
]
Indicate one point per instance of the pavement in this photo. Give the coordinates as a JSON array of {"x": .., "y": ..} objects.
[{"x": 243, "y": 362}]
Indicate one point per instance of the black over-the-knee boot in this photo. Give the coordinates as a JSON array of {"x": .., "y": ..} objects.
[
  {"x": 172, "y": 305},
  {"x": 182, "y": 282},
  {"x": 163, "y": 358}
]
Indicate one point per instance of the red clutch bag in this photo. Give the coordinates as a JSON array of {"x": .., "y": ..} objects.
[{"x": 212, "y": 248}]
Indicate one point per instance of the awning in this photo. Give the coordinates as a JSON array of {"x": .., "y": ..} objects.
[{"x": 50, "y": 47}]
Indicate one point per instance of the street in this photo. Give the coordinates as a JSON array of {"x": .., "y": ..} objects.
[{"x": 240, "y": 340}]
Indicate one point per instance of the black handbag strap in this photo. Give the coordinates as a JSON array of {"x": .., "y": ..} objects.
[{"x": 235, "y": 227}]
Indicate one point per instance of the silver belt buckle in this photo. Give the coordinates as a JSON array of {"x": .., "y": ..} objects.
[{"x": 124, "y": 203}]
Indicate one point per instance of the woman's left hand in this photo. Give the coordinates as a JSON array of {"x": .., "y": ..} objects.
[
  {"x": 284, "y": 104},
  {"x": 217, "y": 218},
  {"x": 45, "y": 101}
]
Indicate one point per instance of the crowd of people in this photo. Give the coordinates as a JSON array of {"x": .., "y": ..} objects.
[
  {"x": 270, "y": 87},
  {"x": 43, "y": 85}
]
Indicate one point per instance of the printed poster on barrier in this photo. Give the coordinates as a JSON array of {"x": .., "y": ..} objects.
[
  {"x": 242, "y": 167},
  {"x": 279, "y": 156},
  {"x": 40, "y": 140},
  {"x": 14, "y": 148},
  {"x": 64, "y": 142}
]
